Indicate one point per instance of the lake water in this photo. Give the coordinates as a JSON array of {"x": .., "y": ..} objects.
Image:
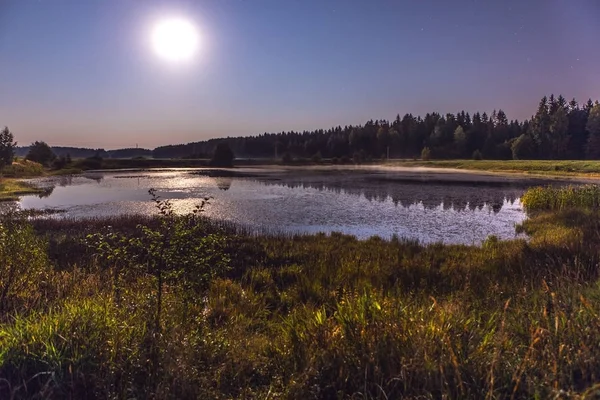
[{"x": 358, "y": 202}]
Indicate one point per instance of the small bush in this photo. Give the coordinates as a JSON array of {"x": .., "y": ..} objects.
[
  {"x": 426, "y": 154},
  {"x": 223, "y": 156},
  {"x": 316, "y": 158},
  {"x": 287, "y": 158}
]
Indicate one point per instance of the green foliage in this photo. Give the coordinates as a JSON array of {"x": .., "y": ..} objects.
[
  {"x": 23, "y": 263},
  {"x": 593, "y": 123},
  {"x": 81, "y": 348},
  {"x": 593, "y": 128},
  {"x": 537, "y": 167},
  {"x": 460, "y": 141},
  {"x": 320, "y": 316},
  {"x": 40, "y": 152},
  {"x": 23, "y": 169},
  {"x": 61, "y": 162},
  {"x": 178, "y": 250},
  {"x": 561, "y": 198},
  {"x": 11, "y": 189},
  {"x": 477, "y": 155},
  {"x": 523, "y": 148},
  {"x": 7, "y": 147},
  {"x": 557, "y": 131}
]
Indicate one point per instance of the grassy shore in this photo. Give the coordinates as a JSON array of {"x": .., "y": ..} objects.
[
  {"x": 11, "y": 189},
  {"x": 540, "y": 167},
  {"x": 105, "y": 308}
]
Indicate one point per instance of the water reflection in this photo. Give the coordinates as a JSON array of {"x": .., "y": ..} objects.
[
  {"x": 403, "y": 194},
  {"x": 224, "y": 183},
  {"x": 358, "y": 203}
]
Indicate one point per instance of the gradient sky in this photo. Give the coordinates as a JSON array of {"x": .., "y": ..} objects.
[{"x": 82, "y": 72}]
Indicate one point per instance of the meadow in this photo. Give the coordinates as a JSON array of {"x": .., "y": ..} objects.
[
  {"x": 179, "y": 307},
  {"x": 590, "y": 168}
]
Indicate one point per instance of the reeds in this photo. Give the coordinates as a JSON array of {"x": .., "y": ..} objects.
[
  {"x": 312, "y": 317},
  {"x": 562, "y": 198}
]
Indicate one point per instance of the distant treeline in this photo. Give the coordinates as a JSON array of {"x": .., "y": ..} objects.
[
  {"x": 558, "y": 130},
  {"x": 80, "y": 152}
]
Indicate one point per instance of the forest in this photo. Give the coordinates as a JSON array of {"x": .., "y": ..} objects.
[{"x": 558, "y": 130}]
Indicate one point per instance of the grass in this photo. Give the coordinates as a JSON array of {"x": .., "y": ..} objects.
[
  {"x": 23, "y": 169},
  {"x": 299, "y": 317},
  {"x": 11, "y": 189},
  {"x": 540, "y": 167},
  {"x": 562, "y": 198}
]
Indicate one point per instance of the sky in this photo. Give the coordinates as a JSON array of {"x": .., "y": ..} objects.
[{"x": 84, "y": 73}]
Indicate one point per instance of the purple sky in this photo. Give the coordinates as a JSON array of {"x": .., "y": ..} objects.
[{"x": 82, "y": 73}]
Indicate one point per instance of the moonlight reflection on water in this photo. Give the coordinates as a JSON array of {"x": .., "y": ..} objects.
[{"x": 354, "y": 203}]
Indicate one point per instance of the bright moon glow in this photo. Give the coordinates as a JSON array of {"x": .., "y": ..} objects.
[{"x": 175, "y": 39}]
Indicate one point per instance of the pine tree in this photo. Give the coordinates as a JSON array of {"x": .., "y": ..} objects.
[
  {"x": 7, "y": 147},
  {"x": 559, "y": 129},
  {"x": 593, "y": 128}
]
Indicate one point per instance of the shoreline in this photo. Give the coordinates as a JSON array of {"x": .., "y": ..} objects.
[{"x": 12, "y": 188}]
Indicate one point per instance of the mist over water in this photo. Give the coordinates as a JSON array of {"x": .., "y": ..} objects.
[{"x": 351, "y": 202}]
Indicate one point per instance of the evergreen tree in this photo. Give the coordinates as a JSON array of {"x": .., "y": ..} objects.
[
  {"x": 7, "y": 147},
  {"x": 540, "y": 128},
  {"x": 460, "y": 142},
  {"x": 559, "y": 129},
  {"x": 593, "y": 128}
]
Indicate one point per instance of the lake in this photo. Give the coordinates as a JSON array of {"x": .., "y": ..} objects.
[{"x": 416, "y": 204}]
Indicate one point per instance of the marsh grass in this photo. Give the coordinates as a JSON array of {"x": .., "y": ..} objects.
[
  {"x": 22, "y": 169},
  {"x": 561, "y": 198},
  {"x": 11, "y": 189},
  {"x": 540, "y": 167},
  {"x": 314, "y": 317}
]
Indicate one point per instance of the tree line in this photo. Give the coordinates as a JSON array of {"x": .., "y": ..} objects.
[{"x": 558, "y": 130}]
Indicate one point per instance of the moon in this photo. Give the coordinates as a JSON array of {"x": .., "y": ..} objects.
[{"x": 175, "y": 39}]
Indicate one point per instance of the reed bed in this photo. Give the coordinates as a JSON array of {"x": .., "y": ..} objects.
[
  {"x": 561, "y": 198},
  {"x": 304, "y": 316}
]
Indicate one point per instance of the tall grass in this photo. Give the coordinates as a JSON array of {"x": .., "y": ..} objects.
[
  {"x": 308, "y": 317},
  {"x": 561, "y": 198},
  {"x": 22, "y": 169}
]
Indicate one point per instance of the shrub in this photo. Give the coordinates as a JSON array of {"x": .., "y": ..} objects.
[
  {"x": 223, "y": 156},
  {"x": 426, "y": 154},
  {"x": 316, "y": 158},
  {"x": 41, "y": 153}
]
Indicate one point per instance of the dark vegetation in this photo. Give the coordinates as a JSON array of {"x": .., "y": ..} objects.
[
  {"x": 559, "y": 130},
  {"x": 41, "y": 153},
  {"x": 80, "y": 152},
  {"x": 174, "y": 306},
  {"x": 223, "y": 156},
  {"x": 7, "y": 146}
]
